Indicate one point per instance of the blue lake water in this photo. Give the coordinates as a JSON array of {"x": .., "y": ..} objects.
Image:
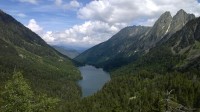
[{"x": 93, "y": 79}]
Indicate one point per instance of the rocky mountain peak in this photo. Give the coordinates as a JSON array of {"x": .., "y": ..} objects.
[
  {"x": 162, "y": 24},
  {"x": 179, "y": 20},
  {"x": 160, "y": 28},
  {"x": 166, "y": 14},
  {"x": 180, "y": 12},
  {"x": 177, "y": 23},
  {"x": 164, "y": 18},
  {"x": 134, "y": 41}
]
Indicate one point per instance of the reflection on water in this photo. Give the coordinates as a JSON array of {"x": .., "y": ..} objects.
[{"x": 93, "y": 79}]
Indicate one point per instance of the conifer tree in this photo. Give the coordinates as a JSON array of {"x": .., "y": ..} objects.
[{"x": 18, "y": 97}]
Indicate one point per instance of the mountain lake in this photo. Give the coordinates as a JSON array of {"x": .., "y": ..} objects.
[{"x": 93, "y": 79}]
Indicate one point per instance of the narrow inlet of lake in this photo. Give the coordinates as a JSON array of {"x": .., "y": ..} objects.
[{"x": 93, "y": 79}]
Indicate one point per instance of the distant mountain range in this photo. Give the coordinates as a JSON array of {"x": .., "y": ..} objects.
[
  {"x": 71, "y": 53},
  {"x": 132, "y": 42}
]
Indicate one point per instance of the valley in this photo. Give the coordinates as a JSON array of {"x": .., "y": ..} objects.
[
  {"x": 141, "y": 82},
  {"x": 138, "y": 69}
]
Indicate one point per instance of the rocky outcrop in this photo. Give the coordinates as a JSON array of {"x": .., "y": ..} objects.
[{"x": 132, "y": 42}]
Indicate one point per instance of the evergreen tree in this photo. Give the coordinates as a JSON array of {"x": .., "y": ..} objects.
[{"x": 18, "y": 97}]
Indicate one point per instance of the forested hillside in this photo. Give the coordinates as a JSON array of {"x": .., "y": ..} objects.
[
  {"x": 47, "y": 71},
  {"x": 159, "y": 73},
  {"x": 144, "y": 92},
  {"x": 167, "y": 78}
]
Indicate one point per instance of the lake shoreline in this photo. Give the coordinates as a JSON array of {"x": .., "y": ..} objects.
[{"x": 93, "y": 79}]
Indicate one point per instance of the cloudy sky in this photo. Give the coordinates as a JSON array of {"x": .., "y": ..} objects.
[{"x": 85, "y": 23}]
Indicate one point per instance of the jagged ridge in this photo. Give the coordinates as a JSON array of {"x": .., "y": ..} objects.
[{"x": 126, "y": 48}]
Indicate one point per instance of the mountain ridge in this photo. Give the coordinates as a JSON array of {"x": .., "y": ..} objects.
[
  {"x": 181, "y": 52},
  {"x": 166, "y": 78},
  {"x": 139, "y": 45},
  {"x": 117, "y": 44},
  {"x": 23, "y": 50}
]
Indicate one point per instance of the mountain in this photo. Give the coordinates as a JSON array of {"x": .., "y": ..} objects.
[
  {"x": 166, "y": 78},
  {"x": 187, "y": 42},
  {"x": 181, "y": 52},
  {"x": 157, "y": 32},
  {"x": 132, "y": 42},
  {"x": 47, "y": 70},
  {"x": 177, "y": 22},
  {"x": 67, "y": 52},
  {"x": 120, "y": 47}
]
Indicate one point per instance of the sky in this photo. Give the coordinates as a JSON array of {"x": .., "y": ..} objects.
[{"x": 85, "y": 23}]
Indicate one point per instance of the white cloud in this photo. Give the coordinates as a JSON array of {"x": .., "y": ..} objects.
[
  {"x": 73, "y": 4},
  {"x": 48, "y": 37},
  {"x": 104, "y": 18},
  {"x": 29, "y": 1},
  {"x": 112, "y": 11},
  {"x": 58, "y": 2},
  {"x": 21, "y": 15},
  {"x": 145, "y": 22},
  {"x": 86, "y": 35},
  {"x": 34, "y": 26}
]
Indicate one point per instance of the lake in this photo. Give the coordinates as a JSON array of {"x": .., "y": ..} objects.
[{"x": 93, "y": 79}]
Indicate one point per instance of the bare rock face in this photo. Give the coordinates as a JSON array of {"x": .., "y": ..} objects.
[
  {"x": 158, "y": 31},
  {"x": 177, "y": 23},
  {"x": 179, "y": 20},
  {"x": 188, "y": 38},
  {"x": 161, "y": 25},
  {"x": 165, "y": 26},
  {"x": 132, "y": 42}
]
